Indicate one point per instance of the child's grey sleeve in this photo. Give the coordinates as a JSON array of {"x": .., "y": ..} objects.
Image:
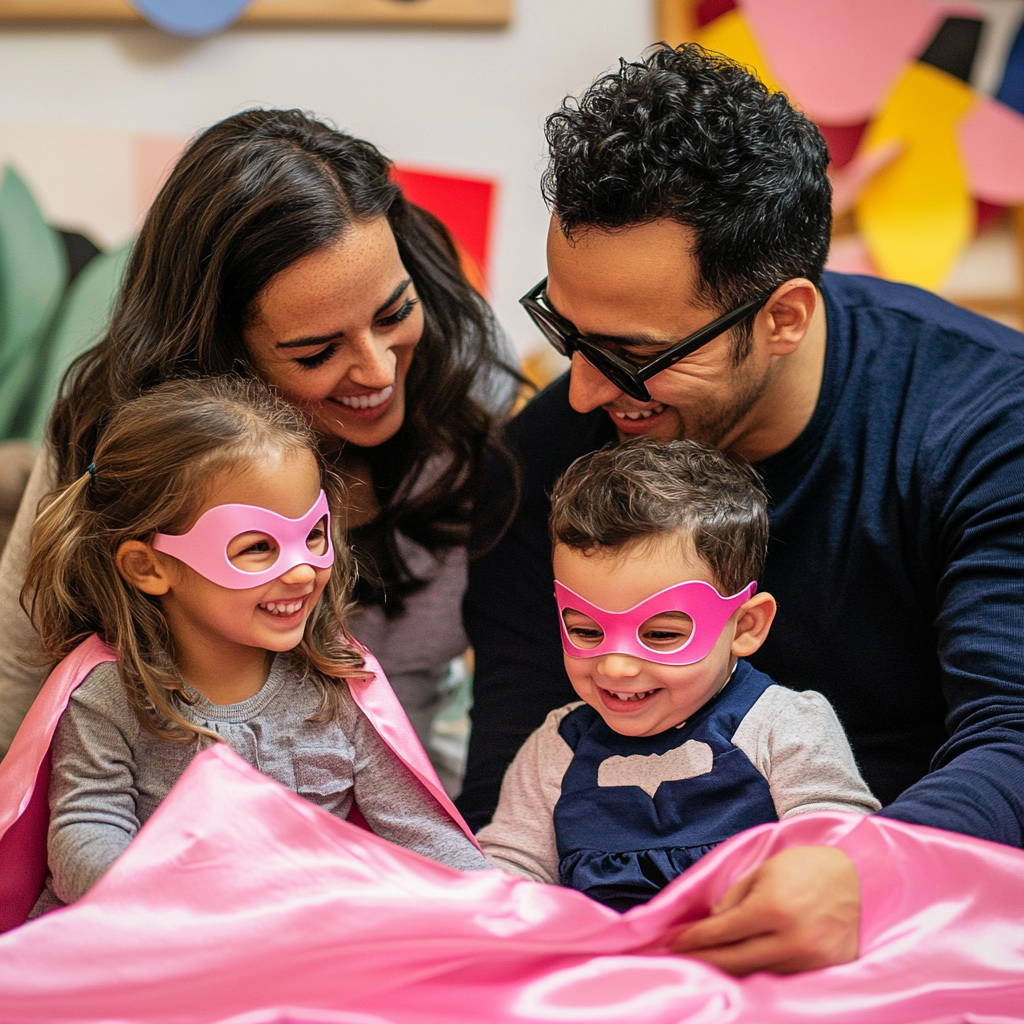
[
  {"x": 521, "y": 836},
  {"x": 795, "y": 740},
  {"x": 398, "y": 807},
  {"x": 92, "y": 785}
]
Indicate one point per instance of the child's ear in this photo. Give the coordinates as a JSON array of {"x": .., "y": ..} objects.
[
  {"x": 141, "y": 567},
  {"x": 752, "y": 624}
]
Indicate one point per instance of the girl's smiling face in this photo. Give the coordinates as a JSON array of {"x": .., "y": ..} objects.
[
  {"x": 228, "y": 624},
  {"x": 335, "y": 332}
]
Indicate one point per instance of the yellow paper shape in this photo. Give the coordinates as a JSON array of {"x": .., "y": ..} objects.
[
  {"x": 917, "y": 213},
  {"x": 730, "y": 34}
]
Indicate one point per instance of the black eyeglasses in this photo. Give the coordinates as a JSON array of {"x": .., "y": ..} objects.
[{"x": 626, "y": 376}]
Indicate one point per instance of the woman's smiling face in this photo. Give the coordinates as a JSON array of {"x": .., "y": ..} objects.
[{"x": 334, "y": 333}]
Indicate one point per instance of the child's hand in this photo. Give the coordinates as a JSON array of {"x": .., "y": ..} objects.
[{"x": 798, "y": 911}]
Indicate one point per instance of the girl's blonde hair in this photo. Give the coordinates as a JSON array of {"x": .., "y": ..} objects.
[{"x": 153, "y": 466}]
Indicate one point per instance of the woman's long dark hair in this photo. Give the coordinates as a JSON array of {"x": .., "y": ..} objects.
[{"x": 249, "y": 197}]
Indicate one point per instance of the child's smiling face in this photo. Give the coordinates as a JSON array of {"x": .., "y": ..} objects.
[
  {"x": 271, "y": 617},
  {"x": 636, "y": 697}
]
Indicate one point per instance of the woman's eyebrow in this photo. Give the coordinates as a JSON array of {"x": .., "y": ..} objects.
[{"x": 325, "y": 338}]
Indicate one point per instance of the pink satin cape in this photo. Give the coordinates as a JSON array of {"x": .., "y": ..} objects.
[
  {"x": 25, "y": 771},
  {"x": 241, "y": 902}
]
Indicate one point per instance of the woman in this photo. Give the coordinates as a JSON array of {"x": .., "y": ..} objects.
[{"x": 280, "y": 247}]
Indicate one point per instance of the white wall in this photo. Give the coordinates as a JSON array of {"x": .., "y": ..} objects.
[{"x": 468, "y": 100}]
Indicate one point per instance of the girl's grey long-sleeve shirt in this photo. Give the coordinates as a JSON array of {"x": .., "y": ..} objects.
[{"x": 109, "y": 774}]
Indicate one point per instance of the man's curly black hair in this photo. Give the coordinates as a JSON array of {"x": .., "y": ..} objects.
[{"x": 693, "y": 136}]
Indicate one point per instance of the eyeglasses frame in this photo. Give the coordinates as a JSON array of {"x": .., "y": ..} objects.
[{"x": 563, "y": 335}]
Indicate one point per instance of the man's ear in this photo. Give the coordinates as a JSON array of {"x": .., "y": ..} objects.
[
  {"x": 789, "y": 312},
  {"x": 753, "y": 621},
  {"x": 142, "y": 567}
]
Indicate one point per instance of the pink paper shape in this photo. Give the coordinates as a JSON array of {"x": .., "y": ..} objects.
[
  {"x": 992, "y": 146},
  {"x": 238, "y": 897},
  {"x": 849, "y": 255},
  {"x": 153, "y": 158},
  {"x": 837, "y": 58}
]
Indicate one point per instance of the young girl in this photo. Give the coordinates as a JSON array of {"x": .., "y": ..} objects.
[{"x": 199, "y": 546}]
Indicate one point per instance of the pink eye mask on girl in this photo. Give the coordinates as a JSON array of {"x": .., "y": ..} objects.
[
  {"x": 706, "y": 607},
  {"x": 205, "y": 547}
]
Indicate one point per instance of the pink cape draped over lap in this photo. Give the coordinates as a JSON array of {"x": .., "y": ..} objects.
[
  {"x": 25, "y": 771},
  {"x": 240, "y": 901}
]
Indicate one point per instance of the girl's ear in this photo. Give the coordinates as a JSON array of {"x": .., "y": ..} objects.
[
  {"x": 142, "y": 567},
  {"x": 753, "y": 621}
]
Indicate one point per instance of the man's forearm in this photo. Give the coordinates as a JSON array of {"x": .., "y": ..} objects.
[{"x": 979, "y": 793}]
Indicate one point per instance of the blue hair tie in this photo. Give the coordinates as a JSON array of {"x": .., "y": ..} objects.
[{"x": 91, "y": 469}]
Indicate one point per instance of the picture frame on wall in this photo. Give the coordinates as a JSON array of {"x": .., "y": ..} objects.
[{"x": 451, "y": 13}]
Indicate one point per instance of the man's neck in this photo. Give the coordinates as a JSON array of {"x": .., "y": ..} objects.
[{"x": 790, "y": 397}]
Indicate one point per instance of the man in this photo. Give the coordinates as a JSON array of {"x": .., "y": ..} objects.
[{"x": 888, "y": 427}]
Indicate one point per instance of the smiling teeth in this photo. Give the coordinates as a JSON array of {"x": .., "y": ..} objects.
[
  {"x": 640, "y": 414},
  {"x": 282, "y": 607},
  {"x": 368, "y": 401},
  {"x": 631, "y": 696}
]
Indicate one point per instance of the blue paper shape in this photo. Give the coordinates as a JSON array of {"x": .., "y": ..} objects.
[
  {"x": 1011, "y": 91},
  {"x": 191, "y": 17}
]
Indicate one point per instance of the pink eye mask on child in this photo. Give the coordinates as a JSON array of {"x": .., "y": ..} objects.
[
  {"x": 707, "y": 609},
  {"x": 205, "y": 547}
]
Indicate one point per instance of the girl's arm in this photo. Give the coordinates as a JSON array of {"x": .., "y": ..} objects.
[
  {"x": 397, "y": 807},
  {"x": 93, "y": 814}
]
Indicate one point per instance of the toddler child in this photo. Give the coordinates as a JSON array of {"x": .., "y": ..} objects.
[
  {"x": 200, "y": 546},
  {"x": 677, "y": 743}
]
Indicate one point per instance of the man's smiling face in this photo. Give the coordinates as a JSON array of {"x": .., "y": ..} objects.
[{"x": 634, "y": 290}]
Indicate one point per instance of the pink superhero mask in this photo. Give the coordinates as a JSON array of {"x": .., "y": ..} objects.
[
  {"x": 205, "y": 547},
  {"x": 707, "y": 609}
]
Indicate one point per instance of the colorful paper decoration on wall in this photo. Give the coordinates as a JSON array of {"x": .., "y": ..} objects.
[
  {"x": 917, "y": 214},
  {"x": 731, "y": 34},
  {"x": 839, "y": 58},
  {"x": 992, "y": 145},
  {"x": 464, "y": 206},
  {"x": 1011, "y": 90},
  {"x": 191, "y": 17},
  {"x": 873, "y": 74}
]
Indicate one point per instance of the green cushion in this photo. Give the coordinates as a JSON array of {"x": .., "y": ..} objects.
[
  {"x": 80, "y": 322},
  {"x": 33, "y": 275}
]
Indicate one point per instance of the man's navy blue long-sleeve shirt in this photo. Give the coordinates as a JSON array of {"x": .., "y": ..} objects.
[{"x": 896, "y": 557}]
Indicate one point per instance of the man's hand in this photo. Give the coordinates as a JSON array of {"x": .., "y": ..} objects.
[{"x": 798, "y": 911}]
